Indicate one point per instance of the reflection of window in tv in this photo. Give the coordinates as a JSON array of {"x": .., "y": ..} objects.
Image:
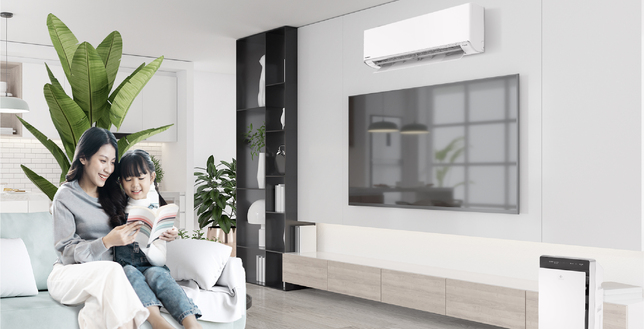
[{"x": 467, "y": 161}]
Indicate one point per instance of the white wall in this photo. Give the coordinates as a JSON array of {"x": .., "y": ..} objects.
[
  {"x": 580, "y": 148},
  {"x": 214, "y": 119},
  {"x": 592, "y": 124},
  {"x": 330, "y": 69}
]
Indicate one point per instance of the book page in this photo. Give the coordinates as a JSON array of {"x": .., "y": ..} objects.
[
  {"x": 164, "y": 221},
  {"x": 147, "y": 217}
]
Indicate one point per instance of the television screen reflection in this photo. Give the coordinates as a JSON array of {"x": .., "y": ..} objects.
[{"x": 451, "y": 146}]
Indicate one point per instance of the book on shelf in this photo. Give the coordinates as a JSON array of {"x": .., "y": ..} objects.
[{"x": 155, "y": 221}]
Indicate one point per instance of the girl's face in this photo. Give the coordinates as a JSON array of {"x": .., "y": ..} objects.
[
  {"x": 99, "y": 167},
  {"x": 137, "y": 188}
]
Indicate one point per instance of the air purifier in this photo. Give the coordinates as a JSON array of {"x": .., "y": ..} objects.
[{"x": 570, "y": 293}]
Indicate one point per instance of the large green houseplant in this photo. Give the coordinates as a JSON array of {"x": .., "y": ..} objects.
[
  {"x": 216, "y": 194},
  {"x": 91, "y": 73}
]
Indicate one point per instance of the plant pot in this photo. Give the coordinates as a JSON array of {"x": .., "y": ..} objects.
[
  {"x": 229, "y": 239},
  {"x": 261, "y": 170}
]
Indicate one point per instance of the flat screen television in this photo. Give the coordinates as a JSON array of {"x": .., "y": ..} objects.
[{"x": 451, "y": 146}]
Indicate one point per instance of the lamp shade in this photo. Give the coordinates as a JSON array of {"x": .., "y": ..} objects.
[
  {"x": 13, "y": 105},
  {"x": 414, "y": 129},
  {"x": 382, "y": 127},
  {"x": 257, "y": 212}
]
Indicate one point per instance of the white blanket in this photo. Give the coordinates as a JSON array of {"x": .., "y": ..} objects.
[{"x": 226, "y": 301}]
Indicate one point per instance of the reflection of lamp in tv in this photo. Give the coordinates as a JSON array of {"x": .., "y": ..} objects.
[
  {"x": 382, "y": 127},
  {"x": 257, "y": 216},
  {"x": 414, "y": 129}
]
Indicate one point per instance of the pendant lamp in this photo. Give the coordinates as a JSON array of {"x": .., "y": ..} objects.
[
  {"x": 414, "y": 129},
  {"x": 9, "y": 104},
  {"x": 382, "y": 126}
]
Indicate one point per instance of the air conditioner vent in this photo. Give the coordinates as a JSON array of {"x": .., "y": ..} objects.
[{"x": 419, "y": 55}]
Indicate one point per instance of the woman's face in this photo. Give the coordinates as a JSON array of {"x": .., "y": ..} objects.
[
  {"x": 137, "y": 188},
  {"x": 100, "y": 166}
]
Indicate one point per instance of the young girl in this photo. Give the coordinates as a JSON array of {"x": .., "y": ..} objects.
[
  {"x": 153, "y": 284},
  {"x": 88, "y": 213}
]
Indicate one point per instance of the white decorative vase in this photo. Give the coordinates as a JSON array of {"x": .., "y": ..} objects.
[
  {"x": 261, "y": 96},
  {"x": 261, "y": 170},
  {"x": 283, "y": 118}
]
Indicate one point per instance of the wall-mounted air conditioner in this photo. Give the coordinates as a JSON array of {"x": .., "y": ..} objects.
[{"x": 443, "y": 35}]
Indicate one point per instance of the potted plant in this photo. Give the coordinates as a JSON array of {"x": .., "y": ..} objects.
[
  {"x": 157, "y": 170},
  {"x": 257, "y": 142},
  {"x": 91, "y": 73},
  {"x": 216, "y": 199}
]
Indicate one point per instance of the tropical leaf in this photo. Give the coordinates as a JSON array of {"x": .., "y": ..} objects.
[
  {"x": 89, "y": 83},
  {"x": 440, "y": 175},
  {"x": 44, "y": 185},
  {"x": 128, "y": 92},
  {"x": 64, "y": 42},
  {"x": 124, "y": 82},
  {"x": 442, "y": 154},
  {"x": 53, "y": 79},
  {"x": 456, "y": 154},
  {"x": 58, "y": 154},
  {"x": 104, "y": 121},
  {"x": 127, "y": 141},
  {"x": 110, "y": 51},
  {"x": 69, "y": 119},
  {"x": 225, "y": 224}
]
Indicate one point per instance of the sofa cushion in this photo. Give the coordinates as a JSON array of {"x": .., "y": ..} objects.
[
  {"x": 39, "y": 311},
  {"x": 198, "y": 260},
  {"x": 37, "y": 232},
  {"x": 16, "y": 275}
]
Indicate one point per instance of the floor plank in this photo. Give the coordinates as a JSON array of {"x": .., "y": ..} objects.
[{"x": 317, "y": 309}]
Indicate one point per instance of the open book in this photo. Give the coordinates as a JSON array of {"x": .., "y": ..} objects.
[{"x": 155, "y": 222}]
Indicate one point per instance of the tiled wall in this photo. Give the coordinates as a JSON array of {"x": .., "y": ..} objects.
[{"x": 15, "y": 151}]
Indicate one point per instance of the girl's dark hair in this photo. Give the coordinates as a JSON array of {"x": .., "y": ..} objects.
[
  {"x": 135, "y": 163},
  {"x": 110, "y": 196}
]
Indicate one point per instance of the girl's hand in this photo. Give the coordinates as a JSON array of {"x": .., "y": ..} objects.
[
  {"x": 122, "y": 235},
  {"x": 169, "y": 235}
]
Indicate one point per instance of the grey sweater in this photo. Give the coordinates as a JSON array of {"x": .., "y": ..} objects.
[{"x": 79, "y": 225}]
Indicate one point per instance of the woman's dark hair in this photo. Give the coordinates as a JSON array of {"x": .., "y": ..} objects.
[
  {"x": 110, "y": 196},
  {"x": 135, "y": 163}
]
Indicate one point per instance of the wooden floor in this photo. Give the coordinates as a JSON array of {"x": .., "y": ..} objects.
[{"x": 313, "y": 309}]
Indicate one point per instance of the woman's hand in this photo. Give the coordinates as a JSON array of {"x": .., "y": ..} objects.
[
  {"x": 122, "y": 235},
  {"x": 169, "y": 235}
]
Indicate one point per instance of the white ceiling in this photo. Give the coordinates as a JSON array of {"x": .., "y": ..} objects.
[{"x": 201, "y": 31}]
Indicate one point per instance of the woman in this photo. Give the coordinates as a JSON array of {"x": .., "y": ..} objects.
[{"x": 88, "y": 210}]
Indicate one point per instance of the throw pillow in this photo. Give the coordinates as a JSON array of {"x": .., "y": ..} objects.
[
  {"x": 16, "y": 275},
  {"x": 36, "y": 230},
  {"x": 198, "y": 260}
]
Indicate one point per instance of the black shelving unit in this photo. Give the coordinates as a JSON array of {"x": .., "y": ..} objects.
[{"x": 280, "y": 49}]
